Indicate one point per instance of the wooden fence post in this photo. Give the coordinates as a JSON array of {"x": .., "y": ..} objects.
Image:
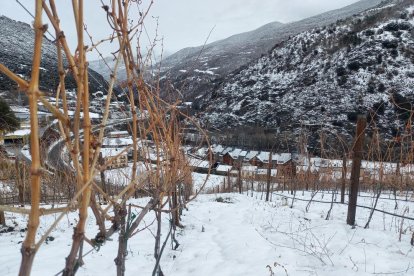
[
  {"x": 2, "y": 216},
  {"x": 268, "y": 175},
  {"x": 239, "y": 180},
  {"x": 229, "y": 181},
  {"x": 101, "y": 162},
  {"x": 343, "y": 184},
  {"x": 356, "y": 169}
]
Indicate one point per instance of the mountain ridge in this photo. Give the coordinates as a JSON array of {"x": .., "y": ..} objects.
[
  {"x": 16, "y": 42},
  {"x": 191, "y": 73},
  {"x": 320, "y": 79}
]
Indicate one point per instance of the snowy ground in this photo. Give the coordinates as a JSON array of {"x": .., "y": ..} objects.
[
  {"x": 199, "y": 182},
  {"x": 242, "y": 236}
]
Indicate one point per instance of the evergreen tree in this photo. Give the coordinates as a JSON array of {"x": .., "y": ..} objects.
[{"x": 8, "y": 120}]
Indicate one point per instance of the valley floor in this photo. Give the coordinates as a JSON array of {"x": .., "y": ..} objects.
[{"x": 232, "y": 234}]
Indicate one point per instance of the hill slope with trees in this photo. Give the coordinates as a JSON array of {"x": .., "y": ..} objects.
[{"x": 320, "y": 79}]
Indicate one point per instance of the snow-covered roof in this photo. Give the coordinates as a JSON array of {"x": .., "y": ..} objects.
[
  {"x": 20, "y": 132},
  {"x": 217, "y": 148},
  {"x": 235, "y": 153},
  {"x": 111, "y": 152},
  {"x": 51, "y": 102},
  {"x": 154, "y": 156},
  {"x": 226, "y": 150},
  {"x": 91, "y": 114},
  {"x": 251, "y": 154},
  {"x": 263, "y": 156},
  {"x": 117, "y": 141},
  {"x": 223, "y": 168},
  {"x": 201, "y": 152},
  {"x": 194, "y": 162},
  {"x": 119, "y": 133},
  {"x": 281, "y": 158},
  {"x": 23, "y": 112},
  {"x": 19, "y": 109}
]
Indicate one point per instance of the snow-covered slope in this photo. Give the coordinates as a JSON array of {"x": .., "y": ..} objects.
[
  {"x": 16, "y": 52},
  {"x": 198, "y": 71},
  {"x": 232, "y": 234},
  {"x": 323, "y": 77},
  {"x": 105, "y": 66}
]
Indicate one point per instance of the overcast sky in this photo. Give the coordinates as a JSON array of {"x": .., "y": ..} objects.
[{"x": 184, "y": 23}]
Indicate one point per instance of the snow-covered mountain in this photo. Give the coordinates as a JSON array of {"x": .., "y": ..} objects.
[
  {"x": 16, "y": 44},
  {"x": 322, "y": 78},
  {"x": 105, "y": 66},
  {"x": 195, "y": 72}
]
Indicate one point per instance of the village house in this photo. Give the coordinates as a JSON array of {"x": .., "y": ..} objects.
[
  {"x": 202, "y": 152},
  {"x": 221, "y": 155},
  {"x": 223, "y": 169},
  {"x": 407, "y": 170},
  {"x": 308, "y": 176},
  {"x": 281, "y": 161},
  {"x": 23, "y": 115},
  {"x": 198, "y": 165},
  {"x": 232, "y": 157},
  {"x": 385, "y": 172},
  {"x": 319, "y": 164},
  {"x": 215, "y": 151},
  {"x": 335, "y": 166},
  {"x": 325, "y": 170},
  {"x": 117, "y": 142},
  {"x": 258, "y": 174},
  {"x": 249, "y": 172},
  {"x": 249, "y": 156},
  {"x": 118, "y": 134},
  {"x": 115, "y": 157},
  {"x": 257, "y": 160},
  {"x": 20, "y": 136},
  {"x": 284, "y": 164},
  {"x": 241, "y": 158},
  {"x": 124, "y": 142}
]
